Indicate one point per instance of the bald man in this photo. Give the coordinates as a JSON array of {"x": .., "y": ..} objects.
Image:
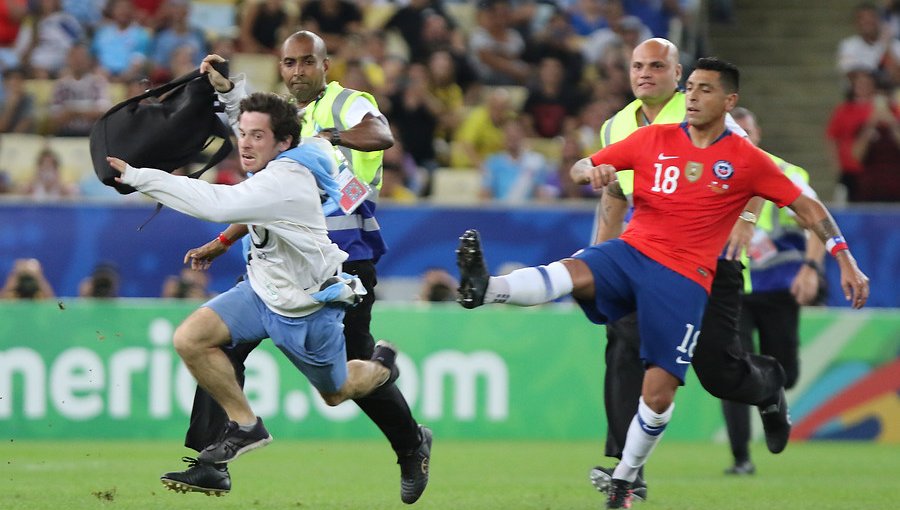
[{"x": 723, "y": 367}]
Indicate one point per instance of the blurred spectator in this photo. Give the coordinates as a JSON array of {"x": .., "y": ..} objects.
[
  {"x": 495, "y": 49},
  {"x": 357, "y": 62},
  {"x": 392, "y": 185},
  {"x": 333, "y": 20},
  {"x": 588, "y": 16},
  {"x": 188, "y": 284},
  {"x": 414, "y": 110},
  {"x": 80, "y": 96},
  {"x": 177, "y": 36},
  {"x": 448, "y": 93},
  {"x": 656, "y": 14},
  {"x": 394, "y": 77},
  {"x": 517, "y": 174},
  {"x": 17, "y": 113},
  {"x": 264, "y": 25},
  {"x": 439, "y": 34},
  {"x": 26, "y": 281},
  {"x": 410, "y": 22},
  {"x": 557, "y": 39},
  {"x": 51, "y": 36},
  {"x": 12, "y": 14},
  {"x": 224, "y": 47},
  {"x": 121, "y": 45},
  {"x": 404, "y": 170},
  {"x": 47, "y": 183},
  {"x": 872, "y": 48},
  {"x": 103, "y": 282},
  {"x": 550, "y": 109},
  {"x": 877, "y": 147},
  {"x": 438, "y": 285},
  {"x": 847, "y": 120},
  {"x": 89, "y": 13},
  {"x": 150, "y": 13},
  {"x": 481, "y": 132},
  {"x": 623, "y": 35}
]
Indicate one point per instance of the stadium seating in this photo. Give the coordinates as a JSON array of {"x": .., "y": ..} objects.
[
  {"x": 261, "y": 70},
  {"x": 74, "y": 157},
  {"x": 456, "y": 186},
  {"x": 18, "y": 155}
]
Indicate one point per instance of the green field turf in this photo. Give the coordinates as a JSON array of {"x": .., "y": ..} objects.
[{"x": 465, "y": 475}]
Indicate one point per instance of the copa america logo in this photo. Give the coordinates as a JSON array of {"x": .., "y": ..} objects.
[{"x": 723, "y": 169}]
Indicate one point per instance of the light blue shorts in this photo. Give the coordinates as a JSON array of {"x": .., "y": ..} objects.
[
  {"x": 669, "y": 306},
  {"x": 314, "y": 343}
]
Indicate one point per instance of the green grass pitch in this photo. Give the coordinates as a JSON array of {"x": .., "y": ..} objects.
[{"x": 465, "y": 475}]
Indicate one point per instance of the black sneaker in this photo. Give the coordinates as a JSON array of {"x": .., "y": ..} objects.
[
  {"x": 233, "y": 442},
  {"x": 473, "y": 273},
  {"x": 386, "y": 354},
  {"x": 414, "y": 469},
  {"x": 210, "y": 479},
  {"x": 744, "y": 467},
  {"x": 776, "y": 420},
  {"x": 601, "y": 477},
  {"x": 619, "y": 495}
]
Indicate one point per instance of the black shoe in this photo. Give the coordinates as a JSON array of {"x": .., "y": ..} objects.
[
  {"x": 776, "y": 420},
  {"x": 210, "y": 479},
  {"x": 601, "y": 478},
  {"x": 386, "y": 354},
  {"x": 744, "y": 467},
  {"x": 233, "y": 442},
  {"x": 619, "y": 495},
  {"x": 473, "y": 273},
  {"x": 414, "y": 469}
]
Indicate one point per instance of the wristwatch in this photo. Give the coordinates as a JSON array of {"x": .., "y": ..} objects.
[
  {"x": 749, "y": 217},
  {"x": 813, "y": 264},
  {"x": 334, "y": 137}
]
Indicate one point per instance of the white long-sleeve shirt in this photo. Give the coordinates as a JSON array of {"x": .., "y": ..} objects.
[{"x": 291, "y": 254}]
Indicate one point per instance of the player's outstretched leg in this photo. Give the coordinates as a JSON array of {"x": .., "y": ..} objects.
[
  {"x": 473, "y": 273},
  {"x": 776, "y": 420},
  {"x": 210, "y": 479},
  {"x": 414, "y": 468},
  {"x": 602, "y": 476},
  {"x": 234, "y": 441}
]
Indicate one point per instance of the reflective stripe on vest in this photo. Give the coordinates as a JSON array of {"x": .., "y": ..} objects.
[{"x": 351, "y": 222}]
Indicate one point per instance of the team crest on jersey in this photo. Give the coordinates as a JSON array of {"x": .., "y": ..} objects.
[
  {"x": 723, "y": 169},
  {"x": 693, "y": 171}
]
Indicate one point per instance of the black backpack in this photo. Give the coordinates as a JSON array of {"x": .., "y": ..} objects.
[{"x": 166, "y": 134}]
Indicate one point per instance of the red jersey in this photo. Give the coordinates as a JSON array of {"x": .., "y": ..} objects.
[{"x": 687, "y": 199}]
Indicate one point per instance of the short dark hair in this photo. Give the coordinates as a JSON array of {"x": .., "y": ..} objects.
[
  {"x": 728, "y": 72},
  {"x": 283, "y": 116}
]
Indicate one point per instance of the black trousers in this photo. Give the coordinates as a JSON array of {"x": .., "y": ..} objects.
[
  {"x": 725, "y": 369},
  {"x": 386, "y": 407},
  {"x": 776, "y": 316}
]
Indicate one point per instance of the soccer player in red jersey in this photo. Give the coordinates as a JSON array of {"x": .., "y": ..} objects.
[{"x": 692, "y": 181}]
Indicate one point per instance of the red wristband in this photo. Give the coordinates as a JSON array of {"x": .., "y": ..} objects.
[
  {"x": 836, "y": 244},
  {"x": 224, "y": 240}
]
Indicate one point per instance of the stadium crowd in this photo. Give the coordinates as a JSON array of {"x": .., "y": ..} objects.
[
  {"x": 492, "y": 99},
  {"x": 499, "y": 96}
]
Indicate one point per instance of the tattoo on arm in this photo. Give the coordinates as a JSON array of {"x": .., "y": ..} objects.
[
  {"x": 615, "y": 190},
  {"x": 826, "y": 229}
]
